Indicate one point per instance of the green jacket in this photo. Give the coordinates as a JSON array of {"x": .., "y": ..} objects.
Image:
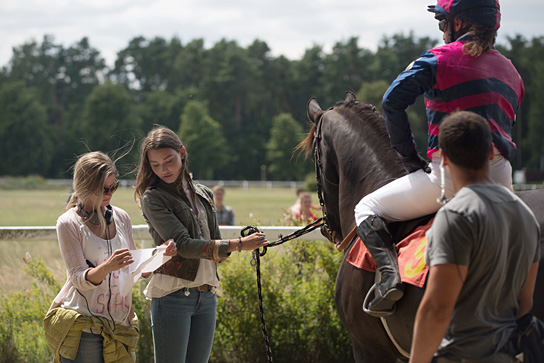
[
  {"x": 63, "y": 332},
  {"x": 169, "y": 215}
]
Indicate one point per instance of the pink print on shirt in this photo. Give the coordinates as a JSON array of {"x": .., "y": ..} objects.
[{"x": 117, "y": 302}]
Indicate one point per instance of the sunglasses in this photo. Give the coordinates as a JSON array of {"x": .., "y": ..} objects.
[
  {"x": 442, "y": 24},
  {"x": 112, "y": 188}
]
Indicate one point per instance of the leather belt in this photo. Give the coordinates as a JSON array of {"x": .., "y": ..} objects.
[{"x": 204, "y": 287}]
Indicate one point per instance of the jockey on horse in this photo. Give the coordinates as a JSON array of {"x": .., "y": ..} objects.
[{"x": 466, "y": 73}]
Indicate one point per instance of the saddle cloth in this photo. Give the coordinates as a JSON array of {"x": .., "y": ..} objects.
[{"x": 411, "y": 253}]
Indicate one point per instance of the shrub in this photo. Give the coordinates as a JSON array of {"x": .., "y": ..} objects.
[
  {"x": 298, "y": 290},
  {"x": 22, "y": 337},
  {"x": 310, "y": 182},
  {"x": 144, "y": 351}
]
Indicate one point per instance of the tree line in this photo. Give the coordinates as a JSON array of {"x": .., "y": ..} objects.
[{"x": 238, "y": 110}]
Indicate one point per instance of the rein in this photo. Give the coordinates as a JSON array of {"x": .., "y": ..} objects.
[
  {"x": 319, "y": 223},
  {"x": 256, "y": 262}
]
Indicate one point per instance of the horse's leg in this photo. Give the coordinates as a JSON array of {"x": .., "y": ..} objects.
[{"x": 370, "y": 341}]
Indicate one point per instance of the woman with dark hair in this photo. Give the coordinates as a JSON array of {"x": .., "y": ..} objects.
[
  {"x": 182, "y": 291},
  {"x": 466, "y": 73}
]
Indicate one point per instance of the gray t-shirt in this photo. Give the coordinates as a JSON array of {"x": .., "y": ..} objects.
[{"x": 490, "y": 230}]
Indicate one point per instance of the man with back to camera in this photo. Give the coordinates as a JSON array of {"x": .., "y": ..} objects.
[{"x": 483, "y": 252}]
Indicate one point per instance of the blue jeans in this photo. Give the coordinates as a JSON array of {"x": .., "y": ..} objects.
[
  {"x": 89, "y": 350},
  {"x": 183, "y": 326}
]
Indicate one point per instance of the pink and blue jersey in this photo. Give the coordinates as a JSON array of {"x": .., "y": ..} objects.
[{"x": 451, "y": 80}]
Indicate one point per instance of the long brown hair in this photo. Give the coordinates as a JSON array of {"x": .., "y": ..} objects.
[
  {"x": 160, "y": 137},
  {"x": 90, "y": 172},
  {"x": 483, "y": 39}
]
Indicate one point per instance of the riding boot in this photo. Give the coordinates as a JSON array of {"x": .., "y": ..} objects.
[{"x": 377, "y": 239}]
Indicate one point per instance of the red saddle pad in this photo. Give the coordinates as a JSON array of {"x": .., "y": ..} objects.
[{"x": 411, "y": 252}]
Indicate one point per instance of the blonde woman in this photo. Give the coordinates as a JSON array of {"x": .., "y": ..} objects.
[
  {"x": 182, "y": 291},
  {"x": 90, "y": 320}
]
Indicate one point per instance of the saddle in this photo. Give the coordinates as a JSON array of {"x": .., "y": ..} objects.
[{"x": 411, "y": 250}]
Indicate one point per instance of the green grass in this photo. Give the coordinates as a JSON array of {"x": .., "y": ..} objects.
[{"x": 257, "y": 205}]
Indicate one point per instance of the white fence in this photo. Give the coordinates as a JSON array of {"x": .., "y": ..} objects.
[
  {"x": 140, "y": 232},
  {"x": 210, "y": 183}
]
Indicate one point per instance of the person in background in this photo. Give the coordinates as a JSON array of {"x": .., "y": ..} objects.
[
  {"x": 483, "y": 253},
  {"x": 182, "y": 291},
  {"x": 302, "y": 212},
  {"x": 225, "y": 214},
  {"x": 306, "y": 213},
  {"x": 90, "y": 320}
]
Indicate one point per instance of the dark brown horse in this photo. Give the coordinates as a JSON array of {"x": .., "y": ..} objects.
[{"x": 350, "y": 145}]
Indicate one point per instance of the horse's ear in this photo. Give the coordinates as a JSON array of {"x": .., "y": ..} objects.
[
  {"x": 350, "y": 97},
  {"x": 313, "y": 109}
]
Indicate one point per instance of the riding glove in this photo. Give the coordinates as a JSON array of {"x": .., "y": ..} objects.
[{"x": 414, "y": 162}]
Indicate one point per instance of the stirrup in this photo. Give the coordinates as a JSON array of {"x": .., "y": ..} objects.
[{"x": 368, "y": 299}]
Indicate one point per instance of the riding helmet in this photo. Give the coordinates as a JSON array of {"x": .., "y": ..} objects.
[{"x": 485, "y": 12}]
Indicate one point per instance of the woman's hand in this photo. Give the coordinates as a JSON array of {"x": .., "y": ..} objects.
[
  {"x": 118, "y": 259},
  {"x": 254, "y": 241},
  {"x": 171, "y": 248}
]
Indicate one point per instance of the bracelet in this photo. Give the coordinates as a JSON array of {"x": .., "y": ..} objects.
[{"x": 239, "y": 244}]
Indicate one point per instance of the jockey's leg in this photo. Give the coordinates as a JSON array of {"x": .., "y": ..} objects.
[
  {"x": 379, "y": 243},
  {"x": 500, "y": 170},
  {"x": 412, "y": 196}
]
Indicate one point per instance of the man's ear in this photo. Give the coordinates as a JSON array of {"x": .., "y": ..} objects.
[
  {"x": 443, "y": 158},
  {"x": 491, "y": 153}
]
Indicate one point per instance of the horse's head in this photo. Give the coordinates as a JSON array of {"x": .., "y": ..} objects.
[{"x": 352, "y": 156}]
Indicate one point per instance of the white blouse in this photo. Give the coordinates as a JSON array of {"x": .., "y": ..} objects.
[{"x": 79, "y": 245}]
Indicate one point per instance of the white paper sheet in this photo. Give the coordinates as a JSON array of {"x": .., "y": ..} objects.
[{"x": 145, "y": 260}]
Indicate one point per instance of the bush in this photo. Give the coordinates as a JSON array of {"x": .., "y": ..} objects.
[
  {"x": 144, "y": 351},
  {"x": 298, "y": 291},
  {"x": 22, "y": 337},
  {"x": 310, "y": 182}
]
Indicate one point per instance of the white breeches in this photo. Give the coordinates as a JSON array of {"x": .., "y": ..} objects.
[{"x": 415, "y": 195}]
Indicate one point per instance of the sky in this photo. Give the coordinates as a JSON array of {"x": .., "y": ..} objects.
[{"x": 289, "y": 27}]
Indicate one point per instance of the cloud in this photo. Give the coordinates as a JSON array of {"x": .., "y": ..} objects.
[{"x": 289, "y": 27}]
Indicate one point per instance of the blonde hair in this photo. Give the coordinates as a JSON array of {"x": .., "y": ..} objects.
[
  {"x": 160, "y": 137},
  {"x": 90, "y": 173},
  {"x": 483, "y": 39}
]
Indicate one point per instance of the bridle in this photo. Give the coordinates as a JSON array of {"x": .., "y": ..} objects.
[{"x": 317, "y": 156}]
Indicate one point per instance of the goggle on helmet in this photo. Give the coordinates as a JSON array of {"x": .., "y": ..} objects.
[{"x": 485, "y": 12}]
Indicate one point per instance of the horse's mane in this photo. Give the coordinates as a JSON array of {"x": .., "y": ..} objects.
[{"x": 361, "y": 116}]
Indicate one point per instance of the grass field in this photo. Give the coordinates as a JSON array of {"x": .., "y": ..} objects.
[{"x": 255, "y": 206}]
